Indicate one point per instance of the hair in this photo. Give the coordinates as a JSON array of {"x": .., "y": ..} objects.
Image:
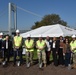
[
  {"x": 67, "y": 40},
  {"x": 7, "y": 34}
]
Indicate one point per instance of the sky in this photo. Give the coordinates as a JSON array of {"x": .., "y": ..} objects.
[{"x": 66, "y": 9}]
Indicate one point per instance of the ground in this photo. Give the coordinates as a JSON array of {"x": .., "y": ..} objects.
[{"x": 34, "y": 70}]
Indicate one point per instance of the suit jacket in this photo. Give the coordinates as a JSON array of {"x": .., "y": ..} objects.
[
  {"x": 56, "y": 45},
  {"x": 0, "y": 44},
  {"x": 9, "y": 45},
  {"x": 62, "y": 43}
]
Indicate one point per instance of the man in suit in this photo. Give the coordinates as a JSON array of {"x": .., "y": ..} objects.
[
  {"x": 48, "y": 49},
  {"x": 7, "y": 45},
  {"x": 54, "y": 48}
]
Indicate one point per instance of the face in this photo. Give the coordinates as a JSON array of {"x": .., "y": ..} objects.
[
  {"x": 28, "y": 38},
  {"x": 7, "y": 37},
  {"x": 17, "y": 34},
  {"x": 73, "y": 38},
  {"x": 47, "y": 38},
  {"x": 0, "y": 36},
  {"x": 66, "y": 41},
  {"x": 61, "y": 37},
  {"x": 40, "y": 38},
  {"x": 54, "y": 38}
]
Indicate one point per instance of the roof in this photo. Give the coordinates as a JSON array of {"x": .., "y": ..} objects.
[{"x": 51, "y": 30}]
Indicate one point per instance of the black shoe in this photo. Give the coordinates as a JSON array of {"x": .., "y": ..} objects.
[{"x": 14, "y": 65}]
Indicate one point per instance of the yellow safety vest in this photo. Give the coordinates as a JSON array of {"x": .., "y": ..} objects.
[
  {"x": 73, "y": 45},
  {"x": 40, "y": 44},
  {"x": 17, "y": 41},
  {"x": 29, "y": 44},
  {"x": 4, "y": 39}
]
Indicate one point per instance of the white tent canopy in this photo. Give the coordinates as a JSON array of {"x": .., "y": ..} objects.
[{"x": 50, "y": 30}]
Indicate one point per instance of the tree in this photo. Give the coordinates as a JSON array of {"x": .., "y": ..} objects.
[{"x": 49, "y": 20}]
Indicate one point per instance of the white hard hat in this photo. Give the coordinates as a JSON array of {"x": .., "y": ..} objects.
[
  {"x": 28, "y": 35},
  {"x": 73, "y": 36},
  {"x": 40, "y": 35},
  {"x": 17, "y": 31},
  {"x": 1, "y": 33}
]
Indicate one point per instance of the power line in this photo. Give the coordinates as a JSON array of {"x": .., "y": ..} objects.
[{"x": 29, "y": 12}]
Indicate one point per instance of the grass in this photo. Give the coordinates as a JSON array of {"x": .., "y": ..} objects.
[{"x": 34, "y": 57}]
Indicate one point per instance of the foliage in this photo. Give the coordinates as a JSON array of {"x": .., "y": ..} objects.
[{"x": 49, "y": 20}]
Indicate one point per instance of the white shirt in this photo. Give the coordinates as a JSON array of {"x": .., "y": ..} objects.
[
  {"x": 6, "y": 44},
  {"x": 53, "y": 44},
  {"x": 48, "y": 45},
  {"x": 0, "y": 38}
]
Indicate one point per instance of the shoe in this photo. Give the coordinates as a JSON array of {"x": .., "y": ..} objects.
[
  {"x": 74, "y": 66},
  {"x": 44, "y": 65},
  {"x": 40, "y": 65},
  {"x": 69, "y": 67},
  {"x": 14, "y": 65},
  {"x": 4, "y": 63},
  {"x": 18, "y": 63},
  {"x": 28, "y": 65}
]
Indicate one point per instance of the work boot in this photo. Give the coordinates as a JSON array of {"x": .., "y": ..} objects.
[
  {"x": 45, "y": 65},
  {"x": 69, "y": 67},
  {"x": 74, "y": 66},
  {"x": 28, "y": 65},
  {"x": 40, "y": 65},
  {"x": 31, "y": 63}
]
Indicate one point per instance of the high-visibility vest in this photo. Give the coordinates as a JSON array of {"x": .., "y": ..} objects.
[
  {"x": 29, "y": 44},
  {"x": 73, "y": 45},
  {"x": 17, "y": 41},
  {"x": 4, "y": 39},
  {"x": 40, "y": 44}
]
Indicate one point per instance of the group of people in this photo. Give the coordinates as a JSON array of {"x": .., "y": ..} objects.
[{"x": 63, "y": 51}]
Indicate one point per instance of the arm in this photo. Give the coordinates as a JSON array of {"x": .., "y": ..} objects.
[{"x": 3, "y": 45}]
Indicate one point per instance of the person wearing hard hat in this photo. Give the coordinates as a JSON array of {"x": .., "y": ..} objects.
[
  {"x": 18, "y": 41},
  {"x": 29, "y": 45},
  {"x": 40, "y": 45},
  {"x": 73, "y": 49}
]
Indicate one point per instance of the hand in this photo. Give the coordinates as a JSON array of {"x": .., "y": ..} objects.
[
  {"x": 63, "y": 54},
  {"x": 16, "y": 47},
  {"x": 2, "y": 47},
  {"x": 28, "y": 48},
  {"x": 56, "y": 52},
  {"x": 40, "y": 48},
  {"x": 74, "y": 48}
]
